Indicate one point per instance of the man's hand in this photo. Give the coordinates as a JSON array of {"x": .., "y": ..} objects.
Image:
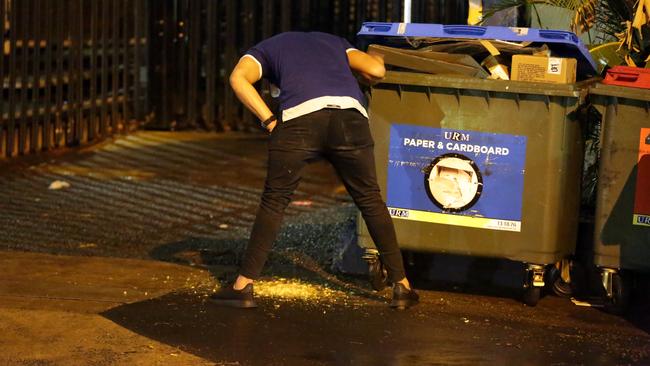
[
  {"x": 271, "y": 126},
  {"x": 370, "y": 66}
]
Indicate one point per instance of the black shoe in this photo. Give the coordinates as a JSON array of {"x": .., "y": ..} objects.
[
  {"x": 227, "y": 296},
  {"x": 403, "y": 298}
]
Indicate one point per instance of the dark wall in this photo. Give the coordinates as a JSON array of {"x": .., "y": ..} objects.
[
  {"x": 195, "y": 44},
  {"x": 71, "y": 71},
  {"x": 76, "y": 71}
]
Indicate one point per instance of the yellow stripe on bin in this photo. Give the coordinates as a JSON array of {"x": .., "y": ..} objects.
[
  {"x": 641, "y": 220},
  {"x": 456, "y": 220}
]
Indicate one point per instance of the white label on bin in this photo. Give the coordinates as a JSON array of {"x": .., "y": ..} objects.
[
  {"x": 401, "y": 28},
  {"x": 467, "y": 221},
  {"x": 519, "y": 31},
  {"x": 554, "y": 65}
]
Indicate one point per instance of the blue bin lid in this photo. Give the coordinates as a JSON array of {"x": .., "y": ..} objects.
[{"x": 561, "y": 43}]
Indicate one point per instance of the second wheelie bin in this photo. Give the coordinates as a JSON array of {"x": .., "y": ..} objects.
[{"x": 622, "y": 216}]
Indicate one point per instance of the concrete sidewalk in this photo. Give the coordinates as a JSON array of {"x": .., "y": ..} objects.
[{"x": 50, "y": 306}]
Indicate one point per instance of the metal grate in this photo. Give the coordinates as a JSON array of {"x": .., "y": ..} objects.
[
  {"x": 71, "y": 72},
  {"x": 76, "y": 71},
  {"x": 196, "y": 43}
]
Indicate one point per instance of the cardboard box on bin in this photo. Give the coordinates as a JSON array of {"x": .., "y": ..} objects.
[{"x": 544, "y": 69}]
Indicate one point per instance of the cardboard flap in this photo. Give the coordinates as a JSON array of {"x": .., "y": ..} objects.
[{"x": 430, "y": 62}]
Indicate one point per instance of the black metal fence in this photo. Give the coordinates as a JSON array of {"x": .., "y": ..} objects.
[
  {"x": 72, "y": 71},
  {"x": 195, "y": 44},
  {"x": 76, "y": 71}
]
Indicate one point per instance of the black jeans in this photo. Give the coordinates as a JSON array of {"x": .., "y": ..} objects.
[{"x": 343, "y": 138}]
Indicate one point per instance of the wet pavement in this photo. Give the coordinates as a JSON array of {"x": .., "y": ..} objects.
[
  {"x": 182, "y": 196},
  {"x": 444, "y": 330},
  {"x": 189, "y": 198}
]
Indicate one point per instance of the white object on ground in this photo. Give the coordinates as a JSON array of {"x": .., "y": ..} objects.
[
  {"x": 59, "y": 184},
  {"x": 302, "y": 203},
  {"x": 585, "y": 303}
]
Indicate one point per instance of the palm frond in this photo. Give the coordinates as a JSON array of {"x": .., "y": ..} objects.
[
  {"x": 502, "y": 5},
  {"x": 625, "y": 21},
  {"x": 573, "y": 5},
  {"x": 568, "y": 4},
  {"x": 635, "y": 39},
  {"x": 585, "y": 16},
  {"x": 611, "y": 18}
]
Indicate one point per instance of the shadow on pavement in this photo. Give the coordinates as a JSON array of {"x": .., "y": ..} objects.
[
  {"x": 201, "y": 252},
  {"x": 503, "y": 278},
  {"x": 318, "y": 333},
  {"x": 638, "y": 313},
  {"x": 467, "y": 274},
  {"x": 284, "y": 333},
  {"x": 639, "y": 316}
]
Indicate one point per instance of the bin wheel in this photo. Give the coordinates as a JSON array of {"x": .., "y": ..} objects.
[
  {"x": 557, "y": 284},
  {"x": 532, "y": 295},
  {"x": 620, "y": 295},
  {"x": 377, "y": 275}
]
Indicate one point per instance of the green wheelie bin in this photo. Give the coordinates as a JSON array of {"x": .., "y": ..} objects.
[
  {"x": 622, "y": 214},
  {"x": 475, "y": 166},
  {"x": 480, "y": 167}
]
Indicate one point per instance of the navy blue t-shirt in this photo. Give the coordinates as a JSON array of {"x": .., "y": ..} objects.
[{"x": 311, "y": 70}]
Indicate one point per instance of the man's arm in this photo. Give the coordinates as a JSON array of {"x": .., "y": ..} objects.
[
  {"x": 243, "y": 76},
  {"x": 370, "y": 66}
]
